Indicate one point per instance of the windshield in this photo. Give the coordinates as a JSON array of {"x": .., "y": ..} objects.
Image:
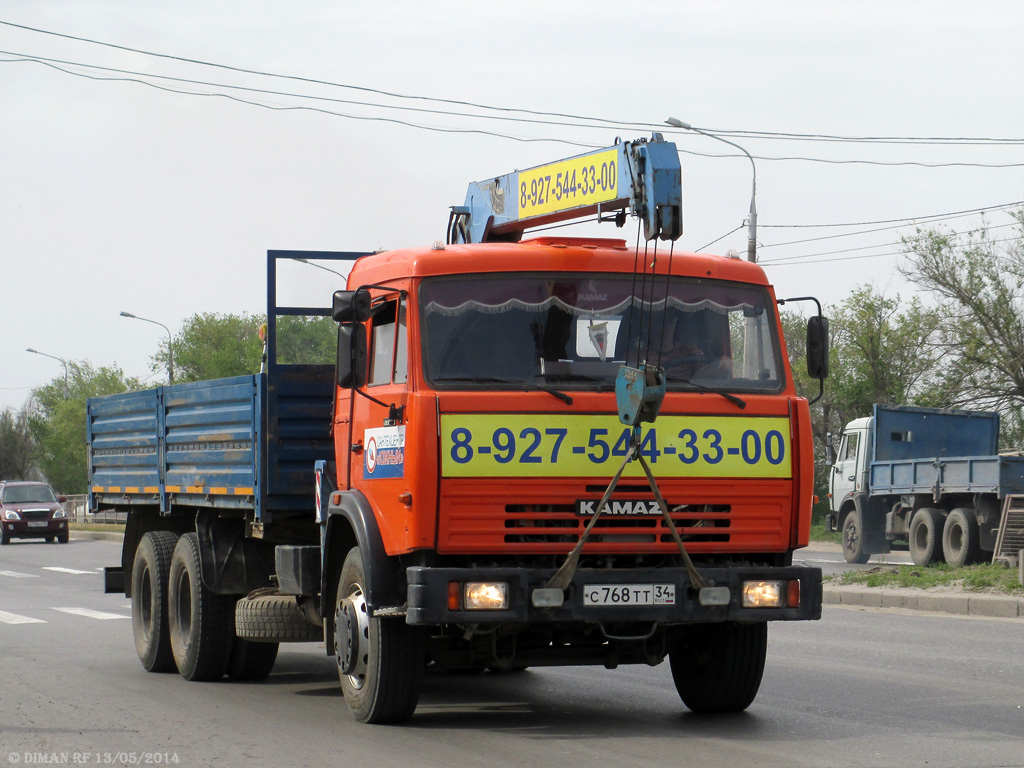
[
  {"x": 574, "y": 331},
  {"x": 28, "y": 494}
]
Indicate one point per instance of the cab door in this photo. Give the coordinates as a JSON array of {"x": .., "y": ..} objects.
[{"x": 844, "y": 472}]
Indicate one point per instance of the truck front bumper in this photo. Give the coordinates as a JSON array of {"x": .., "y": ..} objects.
[{"x": 433, "y": 600}]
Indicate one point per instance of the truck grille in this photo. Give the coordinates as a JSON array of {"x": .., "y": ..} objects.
[{"x": 558, "y": 523}]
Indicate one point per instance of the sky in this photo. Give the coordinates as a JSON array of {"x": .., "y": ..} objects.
[{"x": 116, "y": 195}]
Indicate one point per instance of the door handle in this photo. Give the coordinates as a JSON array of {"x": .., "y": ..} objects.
[{"x": 851, "y": 478}]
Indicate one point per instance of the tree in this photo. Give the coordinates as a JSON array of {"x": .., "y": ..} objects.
[
  {"x": 57, "y": 423},
  {"x": 17, "y": 447},
  {"x": 214, "y": 346},
  {"x": 979, "y": 284}
]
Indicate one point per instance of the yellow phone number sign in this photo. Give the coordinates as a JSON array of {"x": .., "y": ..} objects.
[
  {"x": 534, "y": 445},
  {"x": 567, "y": 184}
]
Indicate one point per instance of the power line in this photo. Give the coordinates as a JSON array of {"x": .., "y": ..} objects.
[
  {"x": 951, "y": 214},
  {"x": 605, "y": 122}
]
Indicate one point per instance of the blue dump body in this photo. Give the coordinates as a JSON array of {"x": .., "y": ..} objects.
[
  {"x": 247, "y": 442},
  {"x": 927, "y": 450}
]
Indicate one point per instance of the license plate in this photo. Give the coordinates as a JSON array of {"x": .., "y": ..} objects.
[
  {"x": 37, "y": 523},
  {"x": 629, "y": 594}
]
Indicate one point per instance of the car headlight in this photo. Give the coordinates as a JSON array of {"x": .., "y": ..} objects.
[
  {"x": 59, "y": 514},
  {"x": 10, "y": 514}
]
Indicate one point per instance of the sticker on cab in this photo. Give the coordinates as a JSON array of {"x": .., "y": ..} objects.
[
  {"x": 384, "y": 453},
  {"x": 579, "y": 445}
]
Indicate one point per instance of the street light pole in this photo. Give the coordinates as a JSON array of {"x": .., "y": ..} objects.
[
  {"x": 752, "y": 220},
  {"x": 318, "y": 266},
  {"x": 170, "y": 342},
  {"x": 62, "y": 362}
]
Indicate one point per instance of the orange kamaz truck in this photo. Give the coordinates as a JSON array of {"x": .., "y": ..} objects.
[{"x": 528, "y": 452}]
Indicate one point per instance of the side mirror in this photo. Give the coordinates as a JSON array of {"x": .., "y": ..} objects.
[
  {"x": 817, "y": 347},
  {"x": 351, "y": 306},
  {"x": 350, "y": 370},
  {"x": 62, "y": 499}
]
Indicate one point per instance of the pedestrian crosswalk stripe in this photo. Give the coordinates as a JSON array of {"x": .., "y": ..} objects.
[
  {"x": 13, "y": 618},
  {"x": 65, "y": 570},
  {"x": 17, "y": 575},
  {"x": 91, "y": 614}
]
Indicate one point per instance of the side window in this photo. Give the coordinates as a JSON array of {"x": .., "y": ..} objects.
[
  {"x": 389, "y": 355},
  {"x": 851, "y": 440}
]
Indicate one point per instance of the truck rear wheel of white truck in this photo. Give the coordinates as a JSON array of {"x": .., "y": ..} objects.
[
  {"x": 961, "y": 544},
  {"x": 380, "y": 660},
  {"x": 926, "y": 536}
]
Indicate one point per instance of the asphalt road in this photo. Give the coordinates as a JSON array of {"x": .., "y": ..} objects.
[{"x": 859, "y": 688}]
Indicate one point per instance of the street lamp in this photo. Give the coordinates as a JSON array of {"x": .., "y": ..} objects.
[
  {"x": 752, "y": 221},
  {"x": 318, "y": 266},
  {"x": 62, "y": 362},
  {"x": 170, "y": 348}
]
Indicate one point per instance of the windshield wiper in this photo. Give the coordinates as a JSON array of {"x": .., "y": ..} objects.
[
  {"x": 606, "y": 385},
  {"x": 516, "y": 382},
  {"x": 727, "y": 395}
]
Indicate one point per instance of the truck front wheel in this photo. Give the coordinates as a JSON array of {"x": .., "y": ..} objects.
[
  {"x": 926, "y": 536},
  {"x": 380, "y": 661},
  {"x": 960, "y": 538},
  {"x": 201, "y": 622},
  {"x": 853, "y": 541},
  {"x": 718, "y": 667}
]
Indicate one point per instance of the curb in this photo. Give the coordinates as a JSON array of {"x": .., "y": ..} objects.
[{"x": 958, "y": 603}]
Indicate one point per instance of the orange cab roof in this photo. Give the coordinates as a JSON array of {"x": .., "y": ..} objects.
[{"x": 545, "y": 254}]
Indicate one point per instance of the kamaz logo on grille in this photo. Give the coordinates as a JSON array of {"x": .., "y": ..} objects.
[{"x": 619, "y": 508}]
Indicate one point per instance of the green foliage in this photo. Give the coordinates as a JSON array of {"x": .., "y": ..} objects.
[
  {"x": 979, "y": 284},
  {"x": 973, "y": 578},
  {"x": 306, "y": 340},
  {"x": 214, "y": 346},
  {"x": 17, "y": 445},
  {"x": 57, "y": 422}
]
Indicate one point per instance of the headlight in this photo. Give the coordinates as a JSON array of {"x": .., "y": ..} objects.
[
  {"x": 485, "y": 596},
  {"x": 762, "y": 594},
  {"x": 59, "y": 514},
  {"x": 10, "y": 514}
]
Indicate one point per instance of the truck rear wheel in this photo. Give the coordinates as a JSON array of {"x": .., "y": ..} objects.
[
  {"x": 380, "y": 661},
  {"x": 718, "y": 667},
  {"x": 853, "y": 542},
  {"x": 251, "y": 660},
  {"x": 149, "y": 600},
  {"x": 926, "y": 536},
  {"x": 201, "y": 621},
  {"x": 960, "y": 538}
]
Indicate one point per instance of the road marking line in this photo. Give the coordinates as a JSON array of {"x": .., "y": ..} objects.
[
  {"x": 16, "y": 575},
  {"x": 13, "y": 618},
  {"x": 91, "y": 614},
  {"x": 65, "y": 570}
]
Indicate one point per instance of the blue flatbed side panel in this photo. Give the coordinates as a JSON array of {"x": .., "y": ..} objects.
[
  {"x": 123, "y": 445},
  {"x": 902, "y": 432},
  {"x": 211, "y": 433},
  {"x": 299, "y": 400},
  {"x": 971, "y": 474}
]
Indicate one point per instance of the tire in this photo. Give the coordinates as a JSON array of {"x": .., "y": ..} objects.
[
  {"x": 62, "y": 538},
  {"x": 251, "y": 660},
  {"x": 853, "y": 541},
  {"x": 270, "y": 618},
  {"x": 961, "y": 538},
  {"x": 718, "y": 667},
  {"x": 48, "y": 539},
  {"x": 201, "y": 622},
  {"x": 5, "y": 539},
  {"x": 926, "y": 536},
  {"x": 380, "y": 661},
  {"x": 150, "y": 577}
]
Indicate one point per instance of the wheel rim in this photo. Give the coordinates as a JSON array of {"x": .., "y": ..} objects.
[
  {"x": 851, "y": 537},
  {"x": 956, "y": 539},
  {"x": 921, "y": 537},
  {"x": 146, "y": 604},
  {"x": 352, "y": 630},
  {"x": 183, "y": 610}
]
